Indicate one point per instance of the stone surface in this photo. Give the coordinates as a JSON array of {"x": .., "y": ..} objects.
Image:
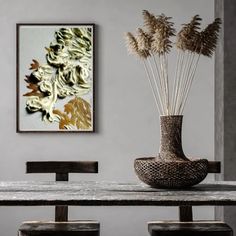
[{"x": 112, "y": 193}]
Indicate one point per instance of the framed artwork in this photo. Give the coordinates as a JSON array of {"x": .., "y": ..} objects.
[{"x": 55, "y": 77}]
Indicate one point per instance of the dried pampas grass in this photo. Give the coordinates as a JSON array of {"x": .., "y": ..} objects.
[
  {"x": 144, "y": 40},
  {"x": 153, "y": 45},
  {"x": 133, "y": 45},
  {"x": 208, "y": 38},
  {"x": 161, "y": 42},
  {"x": 188, "y": 35},
  {"x": 150, "y": 22}
]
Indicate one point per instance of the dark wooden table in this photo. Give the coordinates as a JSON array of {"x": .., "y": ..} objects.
[{"x": 21, "y": 193}]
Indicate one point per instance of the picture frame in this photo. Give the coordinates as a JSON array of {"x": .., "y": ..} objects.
[{"x": 55, "y": 75}]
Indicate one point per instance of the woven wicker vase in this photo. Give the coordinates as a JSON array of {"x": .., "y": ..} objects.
[{"x": 171, "y": 168}]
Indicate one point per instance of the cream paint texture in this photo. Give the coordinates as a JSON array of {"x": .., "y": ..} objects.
[{"x": 126, "y": 120}]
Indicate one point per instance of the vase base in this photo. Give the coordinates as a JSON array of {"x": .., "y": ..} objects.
[{"x": 170, "y": 174}]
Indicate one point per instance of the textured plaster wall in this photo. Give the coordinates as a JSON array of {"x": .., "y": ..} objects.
[
  {"x": 225, "y": 100},
  {"x": 127, "y": 125}
]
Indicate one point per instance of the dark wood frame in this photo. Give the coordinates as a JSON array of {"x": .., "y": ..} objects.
[{"x": 18, "y": 130}]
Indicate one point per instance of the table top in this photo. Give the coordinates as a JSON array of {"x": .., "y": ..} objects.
[{"x": 22, "y": 193}]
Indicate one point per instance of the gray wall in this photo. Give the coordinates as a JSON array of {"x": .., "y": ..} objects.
[
  {"x": 126, "y": 119},
  {"x": 225, "y": 100}
]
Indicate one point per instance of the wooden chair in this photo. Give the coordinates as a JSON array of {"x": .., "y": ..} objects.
[
  {"x": 61, "y": 226},
  {"x": 196, "y": 228},
  {"x": 186, "y": 226}
]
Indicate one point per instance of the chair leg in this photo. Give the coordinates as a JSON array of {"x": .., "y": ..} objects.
[{"x": 185, "y": 213}]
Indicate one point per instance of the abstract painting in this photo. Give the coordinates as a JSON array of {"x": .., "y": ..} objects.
[{"x": 55, "y": 77}]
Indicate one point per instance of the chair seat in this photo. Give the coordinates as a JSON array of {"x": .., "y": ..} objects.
[
  {"x": 195, "y": 228},
  {"x": 71, "y": 228}
]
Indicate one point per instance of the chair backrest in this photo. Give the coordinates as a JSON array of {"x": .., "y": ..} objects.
[
  {"x": 214, "y": 167},
  {"x": 62, "y": 170}
]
